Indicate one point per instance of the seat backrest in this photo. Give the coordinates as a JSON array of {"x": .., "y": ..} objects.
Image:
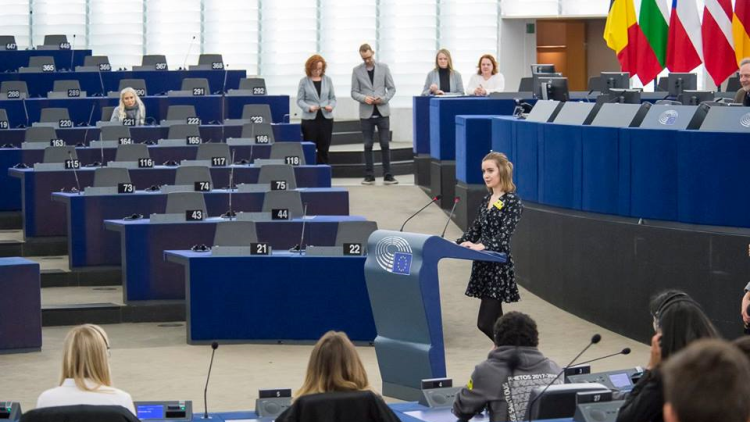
[
  {"x": 251, "y": 130},
  {"x": 7, "y": 39},
  {"x": 210, "y": 59},
  {"x": 3, "y": 115},
  {"x": 39, "y": 61},
  {"x": 131, "y": 152},
  {"x": 59, "y": 154},
  {"x": 189, "y": 83},
  {"x": 733, "y": 84},
  {"x": 40, "y": 134},
  {"x": 284, "y": 199},
  {"x": 526, "y": 85},
  {"x": 81, "y": 413},
  {"x": 344, "y": 406},
  {"x": 272, "y": 172},
  {"x": 114, "y": 133},
  {"x": 20, "y": 86},
  {"x": 54, "y": 114},
  {"x": 183, "y": 131},
  {"x": 211, "y": 150},
  {"x": 153, "y": 59},
  {"x": 95, "y": 60},
  {"x": 139, "y": 85},
  {"x": 180, "y": 112},
  {"x": 109, "y": 177},
  {"x": 107, "y": 113},
  {"x": 235, "y": 233},
  {"x": 64, "y": 86},
  {"x": 188, "y": 175},
  {"x": 179, "y": 202},
  {"x": 250, "y": 84},
  {"x": 663, "y": 84},
  {"x": 281, "y": 150},
  {"x": 355, "y": 232},
  {"x": 595, "y": 84},
  {"x": 258, "y": 113},
  {"x": 55, "y": 39}
]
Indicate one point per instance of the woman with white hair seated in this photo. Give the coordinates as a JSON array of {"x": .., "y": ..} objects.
[
  {"x": 85, "y": 375},
  {"x": 131, "y": 107}
]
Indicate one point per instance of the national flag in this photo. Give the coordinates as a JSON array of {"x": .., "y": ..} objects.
[
  {"x": 718, "y": 43},
  {"x": 620, "y": 32},
  {"x": 741, "y": 29},
  {"x": 685, "y": 47},
  {"x": 651, "y": 44}
]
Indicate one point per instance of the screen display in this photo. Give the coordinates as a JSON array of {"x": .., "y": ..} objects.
[
  {"x": 150, "y": 411},
  {"x": 620, "y": 380}
]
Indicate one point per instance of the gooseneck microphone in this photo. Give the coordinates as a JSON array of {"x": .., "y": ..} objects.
[
  {"x": 214, "y": 346},
  {"x": 456, "y": 200},
  {"x": 75, "y": 172},
  {"x": 596, "y": 338},
  {"x": 72, "y": 53},
  {"x": 625, "y": 351},
  {"x": 434, "y": 199},
  {"x": 302, "y": 236},
  {"x": 190, "y": 48}
]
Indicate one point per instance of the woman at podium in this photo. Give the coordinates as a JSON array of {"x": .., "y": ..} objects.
[
  {"x": 494, "y": 283},
  {"x": 131, "y": 107}
]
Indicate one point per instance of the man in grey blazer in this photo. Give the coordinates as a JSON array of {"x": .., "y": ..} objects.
[
  {"x": 373, "y": 88},
  {"x": 743, "y": 94}
]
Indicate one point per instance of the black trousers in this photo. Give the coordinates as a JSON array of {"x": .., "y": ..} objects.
[{"x": 319, "y": 131}]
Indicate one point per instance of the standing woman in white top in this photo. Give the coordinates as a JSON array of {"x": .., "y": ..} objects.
[
  {"x": 487, "y": 79},
  {"x": 85, "y": 376}
]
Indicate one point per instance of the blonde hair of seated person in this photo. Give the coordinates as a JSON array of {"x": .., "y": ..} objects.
[
  {"x": 86, "y": 356},
  {"x": 334, "y": 366}
]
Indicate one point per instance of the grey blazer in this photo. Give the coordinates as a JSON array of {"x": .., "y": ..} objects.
[
  {"x": 307, "y": 96},
  {"x": 457, "y": 84},
  {"x": 383, "y": 87}
]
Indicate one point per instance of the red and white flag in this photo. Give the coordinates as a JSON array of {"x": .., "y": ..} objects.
[
  {"x": 684, "y": 45},
  {"x": 718, "y": 43}
]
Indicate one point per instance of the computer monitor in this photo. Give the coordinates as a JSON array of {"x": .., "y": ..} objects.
[
  {"x": 542, "y": 68},
  {"x": 177, "y": 411},
  {"x": 678, "y": 82},
  {"x": 538, "y": 77},
  {"x": 691, "y": 97},
  {"x": 625, "y": 96},
  {"x": 555, "y": 88},
  {"x": 615, "y": 80},
  {"x": 559, "y": 401}
]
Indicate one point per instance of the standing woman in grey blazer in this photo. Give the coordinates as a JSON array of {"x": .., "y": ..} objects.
[
  {"x": 443, "y": 79},
  {"x": 316, "y": 98}
]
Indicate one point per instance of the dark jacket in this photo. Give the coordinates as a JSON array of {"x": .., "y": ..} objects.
[
  {"x": 741, "y": 97},
  {"x": 80, "y": 413},
  {"x": 344, "y": 406},
  {"x": 491, "y": 384},
  {"x": 645, "y": 402}
]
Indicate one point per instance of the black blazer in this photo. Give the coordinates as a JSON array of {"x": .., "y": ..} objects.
[
  {"x": 345, "y": 406},
  {"x": 80, "y": 413}
]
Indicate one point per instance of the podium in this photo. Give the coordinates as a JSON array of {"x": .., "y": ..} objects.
[{"x": 401, "y": 272}]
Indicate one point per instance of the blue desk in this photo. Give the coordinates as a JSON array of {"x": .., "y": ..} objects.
[
  {"x": 42, "y": 217},
  {"x": 147, "y": 276},
  {"x": 10, "y": 61},
  {"x": 283, "y": 296},
  {"x": 209, "y": 108},
  {"x": 89, "y": 244},
  {"x": 10, "y": 200},
  {"x": 157, "y": 82},
  {"x": 20, "y": 306},
  {"x": 473, "y": 142}
]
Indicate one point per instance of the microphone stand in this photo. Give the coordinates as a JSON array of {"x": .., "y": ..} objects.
[
  {"x": 455, "y": 202},
  {"x": 214, "y": 346},
  {"x": 434, "y": 199}
]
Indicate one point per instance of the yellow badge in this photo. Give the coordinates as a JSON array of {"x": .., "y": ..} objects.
[
  {"x": 470, "y": 385},
  {"x": 499, "y": 204}
]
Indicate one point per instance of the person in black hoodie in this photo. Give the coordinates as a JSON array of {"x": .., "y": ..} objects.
[
  {"x": 678, "y": 321},
  {"x": 513, "y": 368}
]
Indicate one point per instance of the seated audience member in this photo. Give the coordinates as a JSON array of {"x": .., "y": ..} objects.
[
  {"x": 131, "y": 107},
  {"x": 678, "y": 321},
  {"x": 501, "y": 382},
  {"x": 443, "y": 79},
  {"x": 743, "y": 94},
  {"x": 746, "y": 297},
  {"x": 336, "y": 387},
  {"x": 487, "y": 79},
  {"x": 707, "y": 382},
  {"x": 85, "y": 376}
]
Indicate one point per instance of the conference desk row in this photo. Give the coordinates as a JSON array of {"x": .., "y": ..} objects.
[
  {"x": 86, "y": 111},
  {"x": 157, "y": 81},
  {"x": 11, "y": 60}
]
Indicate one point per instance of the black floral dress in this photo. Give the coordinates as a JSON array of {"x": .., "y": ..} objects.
[{"x": 493, "y": 228}]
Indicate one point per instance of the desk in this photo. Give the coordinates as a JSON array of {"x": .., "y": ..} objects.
[
  {"x": 20, "y": 306},
  {"x": 210, "y": 108},
  {"x": 283, "y": 296},
  {"x": 147, "y": 276},
  {"x": 10, "y": 61},
  {"x": 42, "y": 217},
  {"x": 157, "y": 82},
  {"x": 10, "y": 200},
  {"x": 421, "y": 140},
  {"x": 89, "y": 244}
]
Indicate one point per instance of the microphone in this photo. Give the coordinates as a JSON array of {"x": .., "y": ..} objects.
[
  {"x": 101, "y": 84},
  {"x": 184, "y": 63},
  {"x": 86, "y": 132},
  {"x": 456, "y": 200},
  {"x": 72, "y": 53},
  {"x": 434, "y": 199},
  {"x": 26, "y": 111},
  {"x": 214, "y": 346},
  {"x": 224, "y": 86},
  {"x": 231, "y": 212},
  {"x": 596, "y": 338},
  {"x": 625, "y": 351},
  {"x": 224, "y": 104},
  {"x": 302, "y": 238},
  {"x": 75, "y": 173},
  {"x": 588, "y": 100}
]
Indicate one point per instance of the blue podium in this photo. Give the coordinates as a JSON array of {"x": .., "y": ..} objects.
[{"x": 402, "y": 280}]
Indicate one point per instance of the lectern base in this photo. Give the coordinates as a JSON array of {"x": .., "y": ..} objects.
[
  {"x": 422, "y": 170},
  {"x": 401, "y": 392},
  {"x": 443, "y": 181},
  {"x": 471, "y": 198}
]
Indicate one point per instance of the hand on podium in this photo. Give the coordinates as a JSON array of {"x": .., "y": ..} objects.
[{"x": 473, "y": 246}]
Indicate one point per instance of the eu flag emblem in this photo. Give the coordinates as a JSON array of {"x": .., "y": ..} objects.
[{"x": 402, "y": 263}]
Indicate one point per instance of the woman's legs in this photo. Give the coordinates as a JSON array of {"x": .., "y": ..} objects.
[{"x": 489, "y": 311}]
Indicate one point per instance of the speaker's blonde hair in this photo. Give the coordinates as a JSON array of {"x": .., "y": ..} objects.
[
  {"x": 505, "y": 170},
  {"x": 86, "y": 356},
  {"x": 334, "y": 366}
]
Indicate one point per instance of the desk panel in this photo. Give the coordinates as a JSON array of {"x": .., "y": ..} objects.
[
  {"x": 20, "y": 306},
  {"x": 421, "y": 124},
  {"x": 473, "y": 142},
  {"x": 600, "y": 169},
  {"x": 10, "y": 61}
]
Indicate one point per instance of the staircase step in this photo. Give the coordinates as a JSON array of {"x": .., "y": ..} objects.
[
  {"x": 357, "y": 156},
  {"x": 10, "y": 220},
  {"x": 112, "y": 313},
  {"x": 93, "y": 276},
  {"x": 346, "y": 126},
  {"x": 352, "y": 138},
  {"x": 34, "y": 247},
  {"x": 398, "y": 168}
]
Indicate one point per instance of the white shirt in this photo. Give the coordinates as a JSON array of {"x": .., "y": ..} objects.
[
  {"x": 68, "y": 394},
  {"x": 496, "y": 83}
]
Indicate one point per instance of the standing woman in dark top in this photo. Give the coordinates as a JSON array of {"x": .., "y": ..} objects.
[
  {"x": 443, "y": 79},
  {"x": 501, "y": 208},
  {"x": 316, "y": 98}
]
